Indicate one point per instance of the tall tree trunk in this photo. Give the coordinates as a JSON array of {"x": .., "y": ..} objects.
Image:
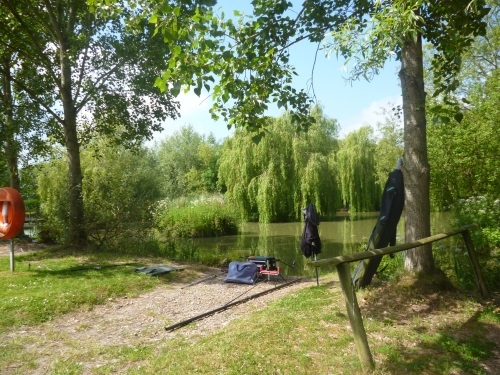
[
  {"x": 11, "y": 147},
  {"x": 77, "y": 229},
  {"x": 416, "y": 166}
]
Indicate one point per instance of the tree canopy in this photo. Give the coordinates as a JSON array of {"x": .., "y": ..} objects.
[
  {"x": 245, "y": 64},
  {"x": 188, "y": 163},
  {"x": 94, "y": 75},
  {"x": 275, "y": 179},
  {"x": 356, "y": 166}
]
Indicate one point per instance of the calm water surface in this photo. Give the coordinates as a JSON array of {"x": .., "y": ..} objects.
[{"x": 348, "y": 233}]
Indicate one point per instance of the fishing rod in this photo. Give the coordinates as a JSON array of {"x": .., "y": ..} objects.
[
  {"x": 226, "y": 306},
  {"x": 246, "y": 291},
  {"x": 286, "y": 264}
]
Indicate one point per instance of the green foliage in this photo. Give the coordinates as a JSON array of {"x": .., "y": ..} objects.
[
  {"x": 250, "y": 71},
  {"x": 204, "y": 217},
  {"x": 484, "y": 211},
  {"x": 389, "y": 146},
  {"x": 274, "y": 179},
  {"x": 356, "y": 169},
  {"x": 4, "y": 172},
  {"x": 463, "y": 155},
  {"x": 249, "y": 55},
  {"x": 54, "y": 201},
  {"x": 481, "y": 58},
  {"x": 89, "y": 74},
  {"x": 120, "y": 186},
  {"x": 188, "y": 162}
]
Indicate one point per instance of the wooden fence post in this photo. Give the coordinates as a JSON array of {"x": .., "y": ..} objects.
[
  {"x": 344, "y": 272},
  {"x": 475, "y": 264},
  {"x": 351, "y": 302}
]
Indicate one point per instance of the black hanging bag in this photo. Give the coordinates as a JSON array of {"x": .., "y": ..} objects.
[{"x": 310, "y": 243}]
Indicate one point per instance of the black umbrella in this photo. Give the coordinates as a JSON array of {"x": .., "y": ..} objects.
[
  {"x": 384, "y": 232},
  {"x": 310, "y": 243}
]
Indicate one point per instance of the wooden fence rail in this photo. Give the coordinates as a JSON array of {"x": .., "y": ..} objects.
[{"x": 348, "y": 290}]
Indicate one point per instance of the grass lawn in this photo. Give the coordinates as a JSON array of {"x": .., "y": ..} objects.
[{"x": 411, "y": 330}]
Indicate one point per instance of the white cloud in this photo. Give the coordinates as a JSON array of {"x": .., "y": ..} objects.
[
  {"x": 370, "y": 115},
  {"x": 194, "y": 112}
]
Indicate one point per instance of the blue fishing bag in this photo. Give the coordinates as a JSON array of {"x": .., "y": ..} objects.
[{"x": 242, "y": 272}]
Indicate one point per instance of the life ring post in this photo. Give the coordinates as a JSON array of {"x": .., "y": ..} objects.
[
  {"x": 12, "y": 215},
  {"x": 12, "y": 263}
]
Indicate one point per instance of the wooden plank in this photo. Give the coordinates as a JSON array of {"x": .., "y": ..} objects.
[
  {"x": 387, "y": 250},
  {"x": 475, "y": 264},
  {"x": 353, "y": 311},
  {"x": 351, "y": 303}
]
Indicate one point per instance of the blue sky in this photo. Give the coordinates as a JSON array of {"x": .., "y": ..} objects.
[{"x": 353, "y": 105}]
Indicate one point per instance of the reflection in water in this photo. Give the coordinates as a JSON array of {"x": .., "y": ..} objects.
[{"x": 345, "y": 235}]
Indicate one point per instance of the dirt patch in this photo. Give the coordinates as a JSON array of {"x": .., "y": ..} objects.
[{"x": 20, "y": 247}]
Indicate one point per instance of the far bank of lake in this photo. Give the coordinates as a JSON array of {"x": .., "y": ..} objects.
[{"x": 348, "y": 233}]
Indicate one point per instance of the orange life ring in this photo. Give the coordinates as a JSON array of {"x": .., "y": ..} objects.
[{"x": 11, "y": 212}]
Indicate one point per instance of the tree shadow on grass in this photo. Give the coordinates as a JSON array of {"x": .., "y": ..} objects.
[{"x": 426, "y": 327}]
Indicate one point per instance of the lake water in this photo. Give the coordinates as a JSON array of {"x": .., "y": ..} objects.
[{"x": 348, "y": 233}]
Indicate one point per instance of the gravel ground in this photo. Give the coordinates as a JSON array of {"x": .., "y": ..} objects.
[{"x": 143, "y": 319}]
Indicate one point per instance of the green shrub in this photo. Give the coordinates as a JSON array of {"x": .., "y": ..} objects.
[
  {"x": 484, "y": 211},
  {"x": 119, "y": 188},
  {"x": 204, "y": 217},
  {"x": 453, "y": 258}
]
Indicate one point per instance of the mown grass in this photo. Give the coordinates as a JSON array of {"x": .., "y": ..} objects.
[
  {"x": 410, "y": 330},
  {"x": 49, "y": 283}
]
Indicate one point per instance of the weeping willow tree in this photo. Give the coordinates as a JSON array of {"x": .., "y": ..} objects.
[
  {"x": 356, "y": 171},
  {"x": 274, "y": 179},
  {"x": 389, "y": 145}
]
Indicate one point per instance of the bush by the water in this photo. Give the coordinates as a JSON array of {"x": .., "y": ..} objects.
[
  {"x": 204, "y": 217},
  {"x": 485, "y": 212}
]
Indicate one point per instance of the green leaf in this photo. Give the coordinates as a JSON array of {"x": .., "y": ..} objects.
[
  {"x": 176, "y": 51},
  {"x": 444, "y": 119},
  {"x": 153, "y": 18},
  {"x": 166, "y": 75},
  {"x": 176, "y": 89},
  {"x": 257, "y": 138},
  {"x": 459, "y": 116},
  {"x": 160, "y": 83}
]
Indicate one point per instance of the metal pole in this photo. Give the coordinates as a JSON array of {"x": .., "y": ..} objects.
[
  {"x": 11, "y": 255},
  {"x": 317, "y": 277}
]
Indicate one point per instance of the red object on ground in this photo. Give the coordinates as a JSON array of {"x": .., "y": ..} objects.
[{"x": 12, "y": 212}]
